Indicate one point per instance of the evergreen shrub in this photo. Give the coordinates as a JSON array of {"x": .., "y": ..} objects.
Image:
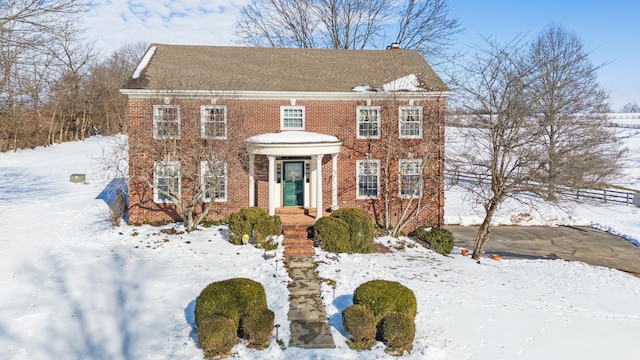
[
  {"x": 231, "y": 298},
  {"x": 217, "y": 335},
  {"x": 397, "y": 330},
  {"x": 361, "y": 229},
  {"x": 360, "y": 323},
  {"x": 438, "y": 239},
  {"x": 383, "y": 297},
  {"x": 332, "y": 234},
  {"x": 257, "y": 325},
  {"x": 266, "y": 226}
]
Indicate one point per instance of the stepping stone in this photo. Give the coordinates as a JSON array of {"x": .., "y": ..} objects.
[
  {"x": 306, "y": 308},
  {"x": 311, "y": 335}
]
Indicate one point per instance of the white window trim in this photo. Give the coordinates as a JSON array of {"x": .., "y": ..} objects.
[
  {"x": 304, "y": 117},
  {"x": 364, "y": 197},
  {"x": 156, "y": 168},
  {"x": 204, "y": 119},
  {"x": 401, "y": 174},
  {"x": 358, "y": 109},
  {"x": 204, "y": 169},
  {"x": 401, "y": 122},
  {"x": 155, "y": 121}
]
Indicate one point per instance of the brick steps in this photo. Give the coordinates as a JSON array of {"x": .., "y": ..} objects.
[{"x": 297, "y": 227}]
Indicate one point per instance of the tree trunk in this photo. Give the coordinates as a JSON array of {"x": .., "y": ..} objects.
[{"x": 484, "y": 232}]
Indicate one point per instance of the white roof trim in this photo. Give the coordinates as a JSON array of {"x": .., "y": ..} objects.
[
  {"x": 293, "y": 143},
  {"x": 283, "y": 95}
]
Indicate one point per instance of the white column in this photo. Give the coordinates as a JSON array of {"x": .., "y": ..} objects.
[
  {"x": 252, "y": 181},
  {"x": 319, "y": 211},
  {"x": 334, "y": 181},
  {"x": 272, "y": 182}
]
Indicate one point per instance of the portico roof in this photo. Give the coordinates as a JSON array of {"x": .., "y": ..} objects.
[{"x": 293, "y": 143}]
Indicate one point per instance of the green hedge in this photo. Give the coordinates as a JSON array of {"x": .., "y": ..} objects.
[
  {"x": 383, "y": 297},
  {"x": 397, "y": 331},
  {"x": 332, "y": 234},
  {"x": 217, "y": 335},
  {"x": 438, "y": 239},
  {"x": 359, "y": 322},
  {"x": 230, "y": 298},
  {"x": 257, "y": 325},
  {"x": 253, "y": 220}
]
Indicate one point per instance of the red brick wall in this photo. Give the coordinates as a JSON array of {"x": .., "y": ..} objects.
[{"x": 251, "y": 117}]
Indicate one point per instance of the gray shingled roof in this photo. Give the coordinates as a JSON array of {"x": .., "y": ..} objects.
[{"x": 185, "y": 67}]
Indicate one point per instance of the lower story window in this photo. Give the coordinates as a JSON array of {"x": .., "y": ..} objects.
[
  {"x": 410, "y": 180},
  {"x": 368, "y": 179},
  {"x": 166, "y": 180},
  {"x": 214, "y": 180}
]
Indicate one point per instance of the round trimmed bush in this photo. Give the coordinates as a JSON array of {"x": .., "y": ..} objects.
[
  {"x": 230, "y": 298},
  {"x": 383, "y": 297},
  {"x": 360, "y": 323},
  {"x": 257, "y": 325},
  {"x": 361, "y": 229},
  {"x": 439, "y": 240},
  {"x": 217, "y": 334},
  {"x": 332, "y": 234},
  {"x": 398, "y": 331},
  {"x": 243, "y": 222}
]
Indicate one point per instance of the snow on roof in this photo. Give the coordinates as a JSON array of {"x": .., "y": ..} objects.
[
  {"x": 144, "y": 62},
  {"x": 406, "y": 83},
  {"x": 292, "y": 137}
]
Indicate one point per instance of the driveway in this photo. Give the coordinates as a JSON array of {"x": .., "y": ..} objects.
[{"x": 564, "y": 242}]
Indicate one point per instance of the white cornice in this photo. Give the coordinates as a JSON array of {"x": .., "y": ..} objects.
[{"x": 283, "y": 95}]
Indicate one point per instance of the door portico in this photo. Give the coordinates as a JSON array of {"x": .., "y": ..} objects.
[{"x": 300, "y": 153}]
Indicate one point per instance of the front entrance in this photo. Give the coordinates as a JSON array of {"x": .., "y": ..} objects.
[{"x": 293, "y": 179}]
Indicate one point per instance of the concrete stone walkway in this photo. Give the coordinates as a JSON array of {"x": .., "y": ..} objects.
[
  {"x": 584, "y": 244},
  {"x": 307, "y": 315}
]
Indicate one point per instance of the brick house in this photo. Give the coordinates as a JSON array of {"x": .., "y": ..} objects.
[{"x": 312, "y": 129}]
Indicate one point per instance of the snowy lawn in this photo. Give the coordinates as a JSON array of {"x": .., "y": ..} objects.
[{"x": 75, "y": 287}]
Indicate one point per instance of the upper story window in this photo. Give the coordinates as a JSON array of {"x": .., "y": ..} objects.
[
  {"x": 368, "y": 122},
  {"x": 166, "y": 121},
  {"x": 214, "y": 180},
  {"x": 368, "y": 179},
  {"x": 410, "y": 122},
  {"x": 292, "y": 118},
  {"x": 214, "y": 121},
  {"x": 410, "y": 179},
  {"x": 166, "y": 181}
]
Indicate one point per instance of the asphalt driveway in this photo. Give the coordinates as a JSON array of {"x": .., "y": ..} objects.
[{"x": 564, "y": 242}]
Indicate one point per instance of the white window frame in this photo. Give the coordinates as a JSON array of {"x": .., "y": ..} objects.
[
  {"x": 361, "y": 119},
  {"x": 415, "y": 168},
  {"x": 207, "y": 119},
  {"x": 403, "y": 123},
  {"x": 360, "y": 167},
  {"x": 223, "y": 180},
  {"x": 283, "y": 118},
  {"x": 158, "y": 168},
  {"x": 159, "y": 117}
]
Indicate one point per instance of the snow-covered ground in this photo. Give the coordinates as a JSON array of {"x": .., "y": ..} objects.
[{"x": 75, "y": 287}]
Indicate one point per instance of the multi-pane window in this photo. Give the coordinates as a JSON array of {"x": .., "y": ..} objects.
[
  {"x": 410, "y": 121},
  {"x": 292, "y": 118},
  {"x": 214, "y": 180},
  {"x": 214, "y": 121},
  {"x": 166, "y": 179},
  {"x": 368, "y": 179},
  {"x": 166, "y": 121},
  {"x": 368, "y": 122},
  {"x": 410, "y": 180}
]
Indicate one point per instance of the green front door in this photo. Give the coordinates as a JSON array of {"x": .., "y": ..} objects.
[{"x": 293, "y": 179}]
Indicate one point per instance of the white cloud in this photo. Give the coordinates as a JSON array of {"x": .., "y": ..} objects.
[{"x": 113, "y": 23}]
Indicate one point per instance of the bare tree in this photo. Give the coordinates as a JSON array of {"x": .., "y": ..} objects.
[
  {"x": 570, "y": 107},
  {"x": 423, "y": 25},
  {"x": 631, "y": 107},
  {"x": 501, "y": 146}
]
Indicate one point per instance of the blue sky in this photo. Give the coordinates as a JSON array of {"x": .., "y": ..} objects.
[{"x": 609, "y": 28}]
